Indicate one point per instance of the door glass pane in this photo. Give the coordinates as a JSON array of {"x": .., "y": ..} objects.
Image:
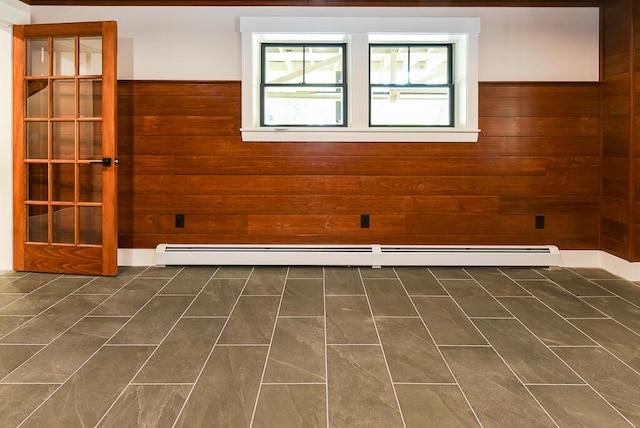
[
  {"x": 64, "y": 98},
  {"x": 63, "y": 56},
  {"x": 62, "y": 182},
  {"x": 90, "y": 181},
  {"x": 90, "y": 140},
  {"x": 37, "y": 182},
  {"x": 90, "y": 56},
  {"x": 37, "y": 57},
  {"x": 37, "y": 98},
  {"x": 90, "y": 225},
  {"x": 63, "y": 225},
  {"x": 37, "y": 223},
  {"x": 63, "y": 140},
  {"x": 37, "y": 140},
  {"x": 90, "y": 98}
]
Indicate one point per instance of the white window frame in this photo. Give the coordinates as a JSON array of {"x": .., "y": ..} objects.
[{"x": 358, "y": 32}]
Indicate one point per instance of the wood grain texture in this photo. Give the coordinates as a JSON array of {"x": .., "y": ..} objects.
[
  {"x": 63, "y": 259},
  {"x": 616, "y": 219},
  {"x": 181, "y": 153}
]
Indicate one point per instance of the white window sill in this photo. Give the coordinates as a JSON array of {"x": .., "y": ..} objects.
[{"x": 374, "y": 135}]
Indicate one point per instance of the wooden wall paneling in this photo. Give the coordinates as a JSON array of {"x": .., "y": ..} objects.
[
  {"x": 635, "y": 137},
  {"x": 538, "y": 153},
  {"x": 617, "y": 129}
]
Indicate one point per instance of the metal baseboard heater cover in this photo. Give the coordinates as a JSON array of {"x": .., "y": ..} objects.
[{"x": 357, "y": 255}]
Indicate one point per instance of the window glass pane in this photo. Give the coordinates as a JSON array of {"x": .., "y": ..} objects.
[
  {"x": 410, "y": 106},
  {"x": 283, "y": 64},
  {"x": 37, "y": 57},
  {"x": 64, "y": 225},
  {"x": 90, "y": 98},
  {"x": 37, "y": 98},
  {"x": 429, "y": 65},
  {"x": 64, "y": 56},
  {"x": 90, "y": 219},
  {"x": 37, "y": 140},
  {"x": 63, "y": 140},
  {"x": 323, "y": 64},
  {"x": 37, "y": 223},
  {"x": 306, "y": 105},
  {"x": 90, "y": 56},
  {"x": 389, "y": 65},
  {"x": 64, "y": 98}
]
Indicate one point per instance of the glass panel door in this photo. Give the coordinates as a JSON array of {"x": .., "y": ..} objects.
[{"x": 65, "y": 191}]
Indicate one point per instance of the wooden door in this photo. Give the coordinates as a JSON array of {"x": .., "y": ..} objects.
[{"x": 65, "y": 152}]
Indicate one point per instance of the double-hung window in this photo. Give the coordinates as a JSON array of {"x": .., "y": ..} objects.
[
  {"x": 364, "y": 79},
  {"x": 303, "y": 84},
  {"x": 411, "y": 85}
]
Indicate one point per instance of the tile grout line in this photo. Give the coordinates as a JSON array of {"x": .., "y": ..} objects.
[
  {"x": 266, "y": 360},
  {"x": 598, "y": 343},
  {"x": 453, "y": 376},
  {"x": 614, "y": 294},
  {"x": 326, "y": 347},
  {"x": 554, "y": 310},
  {"x": 178, "y": 319},
  {"x": 55, "y": 338},
  {"x": 497, "y": 353},
  {"x": 604, "y": 348},
  {"x": 32, "y": 291},
  {"x": 608, "y": 318},
  {"x": 587, "y": 279},
  {"x": 39, "y": 313},
  {"x": 384, "y": 356},
  {"x": 206, "y": 361},
  {"x": 155, "y": 346},
  {"x": 81, "y": 365},
  {"x": 557, "y": 356},
  {"x": 581, "y": 297},
  {"x": 587, "y": 384}
]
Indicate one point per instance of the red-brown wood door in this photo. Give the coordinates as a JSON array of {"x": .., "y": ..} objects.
[{"x": 65, "y": 151}]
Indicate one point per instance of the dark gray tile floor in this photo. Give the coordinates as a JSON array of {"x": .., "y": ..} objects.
[{"x": 318, "y": 347}]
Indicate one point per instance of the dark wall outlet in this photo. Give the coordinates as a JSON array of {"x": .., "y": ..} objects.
[
  {"x": 539, "y": 221},
  {"x": 364, "y": 221},
  {"x": 180, "y": 220}
]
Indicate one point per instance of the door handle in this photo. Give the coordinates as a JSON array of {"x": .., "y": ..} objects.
[{"x": 106, "y": 161}]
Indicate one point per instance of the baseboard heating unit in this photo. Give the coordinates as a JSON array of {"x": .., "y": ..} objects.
[{"x": 357, "y": 255}]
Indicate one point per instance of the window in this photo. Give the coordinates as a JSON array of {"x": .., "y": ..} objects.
[
  {"x": 303, "y": 85},
  {"x": 359, "y": 79},
  {"x": 410, "y": 85}
]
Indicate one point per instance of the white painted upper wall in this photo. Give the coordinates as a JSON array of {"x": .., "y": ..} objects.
[
  {"x": 203, "y": 43},
  {"x": 13, "y": 12}
]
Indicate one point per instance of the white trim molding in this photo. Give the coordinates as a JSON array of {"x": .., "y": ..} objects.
[
  {"x": 358, "y": 33},
  {"x": 603, "y": 260}
]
